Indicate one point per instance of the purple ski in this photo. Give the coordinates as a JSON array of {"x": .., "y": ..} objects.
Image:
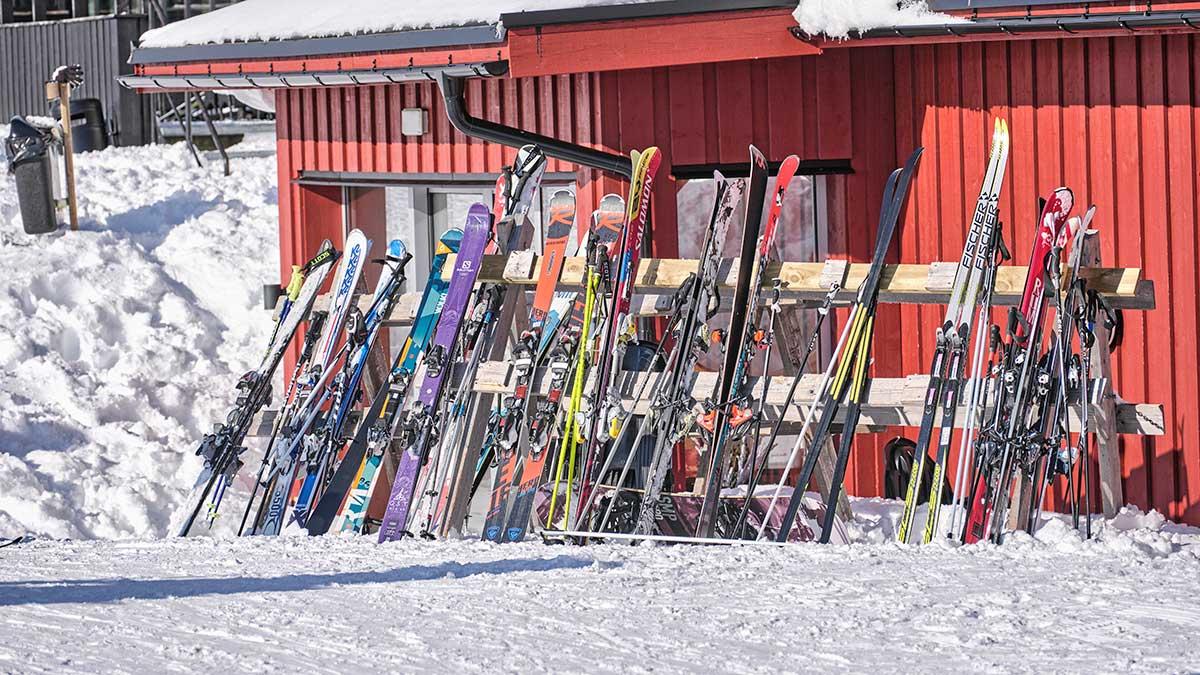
[{"x": 419, "y": 421}]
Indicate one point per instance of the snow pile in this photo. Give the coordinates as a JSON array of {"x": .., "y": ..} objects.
[
  {"x": 121, "y": 343},
  {"x": 838, "y": 19},
  {"x": 262, "y": 20}
]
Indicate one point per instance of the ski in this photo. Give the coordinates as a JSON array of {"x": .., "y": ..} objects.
[
  {"x": 315, "y": 388},
  {"x": 354, "y": 480},
  {"x": 527, "y": 478},
  {"x": 953, "y": 336},
  {"x": 850, "y": 376},
  {"x": 418, "y": 428},
  {"x": 222, "y": 448}
]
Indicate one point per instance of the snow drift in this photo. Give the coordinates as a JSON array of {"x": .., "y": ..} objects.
[{"x": 121, "y": 343}]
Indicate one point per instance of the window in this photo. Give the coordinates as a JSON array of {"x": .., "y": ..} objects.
[
  {"x": 419, "y": 213},
  {"x": 801, "y": 238}
]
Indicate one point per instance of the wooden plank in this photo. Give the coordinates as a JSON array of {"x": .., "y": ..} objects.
[
  {"x": 901, "y": 283},
  {"x": 653, "y": 42},
  {"x": 1105, "y": 413},
  {"x": 892, "y": 401}
]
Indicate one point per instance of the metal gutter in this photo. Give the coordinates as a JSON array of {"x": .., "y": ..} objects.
[
  {"x": 456, "y": 110},
  {"x": 646, "y": 10},
  {"x": 281, "y": 80},
  {"x": 1066, "y": 25},
  {"x": 435, "y": 38},
  {"x": 968, "y": 5}
]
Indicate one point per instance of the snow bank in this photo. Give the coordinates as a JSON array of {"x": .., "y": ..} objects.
[
  {"x": 260, "y": 20},
  {"x": 840, "y": 18},
  {"x": 120, "y": 344}
]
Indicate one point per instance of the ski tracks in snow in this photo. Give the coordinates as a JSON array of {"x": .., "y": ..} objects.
[{"x": 335, "y": 604}]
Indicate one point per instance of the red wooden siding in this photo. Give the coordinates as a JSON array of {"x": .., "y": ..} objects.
[{"x": 1116, "y": 119}]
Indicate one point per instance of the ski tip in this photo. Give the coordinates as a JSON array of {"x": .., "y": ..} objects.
[
  {"x": 479, "y": 215},
  {"x": 449, "y": 242},
  {"x": 397, "y": 250}
]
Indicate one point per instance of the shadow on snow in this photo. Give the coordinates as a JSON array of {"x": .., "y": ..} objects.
[{"x": 114, "y": 590}]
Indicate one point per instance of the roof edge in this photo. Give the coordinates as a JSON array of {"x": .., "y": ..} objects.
[{"x": 429, "y": 38}]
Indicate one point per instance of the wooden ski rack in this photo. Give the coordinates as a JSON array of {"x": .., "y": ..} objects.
[{"x": 891, "y": 401}]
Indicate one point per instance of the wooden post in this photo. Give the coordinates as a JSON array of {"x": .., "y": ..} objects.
[
  {"x": 62, "y": 92},
  {"x": 1104, "y": 412}
]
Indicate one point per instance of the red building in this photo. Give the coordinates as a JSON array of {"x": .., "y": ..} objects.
[{"x": 1100, "y": 96}]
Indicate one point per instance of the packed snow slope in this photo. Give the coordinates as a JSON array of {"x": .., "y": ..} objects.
[
  {"x": 120, "y": 344},
  {"x": 1125, "y": 602}
]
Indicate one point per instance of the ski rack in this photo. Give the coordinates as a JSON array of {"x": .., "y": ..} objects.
[{"x": 891, "y": 402}]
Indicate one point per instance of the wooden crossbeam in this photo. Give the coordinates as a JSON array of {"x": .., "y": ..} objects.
[
  {"x": 892, "y": 401},
  {"x": 900, "y": 283}
]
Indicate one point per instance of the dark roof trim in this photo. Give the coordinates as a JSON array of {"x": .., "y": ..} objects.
[
  {"x": 646, "y": 10},
  {"x": 967, "y": 5},
  {"x": 428, "y": 180},
  {"x": 1066, "y": 25},
  {"x": 347, "y": 44},
  {"x": 811, "y": 167}
]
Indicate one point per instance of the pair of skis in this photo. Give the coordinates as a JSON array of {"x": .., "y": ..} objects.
[
  {"x": 619, "y": 328},
  {"x": 758, "y": 245},
  {"x": 344, "y": 504},
  {"x": 222, "y": 449},
  {"x": 1000, "y": 443},
  {"x": 418, "y": 430},
  {"x": 846, "y": 376},
  {"x": 954, "y": 339}
]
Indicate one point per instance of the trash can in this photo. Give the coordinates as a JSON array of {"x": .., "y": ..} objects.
[
  {"x": 33, "y": 154},
  {"x": 88, "y": 130}
]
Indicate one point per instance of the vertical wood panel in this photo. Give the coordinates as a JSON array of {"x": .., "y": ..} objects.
[
  {"x": 735, "y": 124},
  {"x": 835, "y": 139},
  {"x": 383, "y": 140},
  {"x": 1187, "y": 405},
  {"x": 1128, "y": 238},
  {"x": 1181, "y": 190},
  {"x": 785, "y": 109},
  {"x": 1155, "y": 252},
  {"x": 472, "y": 157},
  {"x": 352, "y": 123},
  {"x": 687, "y": 118}
]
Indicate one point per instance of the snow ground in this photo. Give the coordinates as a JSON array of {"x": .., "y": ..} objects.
[
  {"x": 1125, "y": 602},
  {"x": 121, "y": 343}
]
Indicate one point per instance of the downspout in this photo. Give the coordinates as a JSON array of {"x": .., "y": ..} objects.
[{"x": 456, "y": 111}]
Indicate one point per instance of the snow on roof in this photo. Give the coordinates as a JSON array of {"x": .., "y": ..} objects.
[
  {"x": 263, "y": 20},
  {"x": 266, "y": 20},
  {"x": 839, "y": 18}
]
